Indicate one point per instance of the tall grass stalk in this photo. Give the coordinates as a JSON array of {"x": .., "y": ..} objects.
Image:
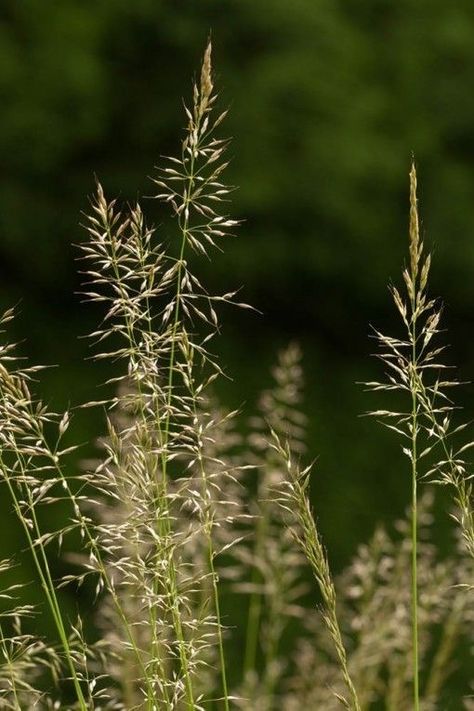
[
  {"x": 158, "y": 299},
  {"x": 414, "y": 368},
  {"x": 415, "y": 295},
  {"x": 409, "y": 370}
]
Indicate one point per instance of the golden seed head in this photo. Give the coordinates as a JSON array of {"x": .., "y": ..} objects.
[
  {"x": 414, "y": 227},
  {"x": 206, "y": 75}
]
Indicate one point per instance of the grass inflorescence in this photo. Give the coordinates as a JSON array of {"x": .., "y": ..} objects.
[{"x": 182, "y": 510}]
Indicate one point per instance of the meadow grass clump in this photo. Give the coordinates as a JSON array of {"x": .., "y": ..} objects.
[{"x": 181, "y": 512}]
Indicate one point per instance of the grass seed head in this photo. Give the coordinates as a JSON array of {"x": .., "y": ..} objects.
[
  {"x": 415, "y": 248},
  {"x": 206, "y": 78}
]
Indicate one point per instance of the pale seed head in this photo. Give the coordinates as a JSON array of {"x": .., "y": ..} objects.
[
  {"x": 414, "y": 226},
  {"x": 206, "y": 77}
]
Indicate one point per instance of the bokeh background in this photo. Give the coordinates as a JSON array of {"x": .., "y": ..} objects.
[{"x": 328, "y": 102}]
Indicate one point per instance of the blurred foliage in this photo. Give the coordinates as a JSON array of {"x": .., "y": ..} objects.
[{"x": 328, "y": 101}]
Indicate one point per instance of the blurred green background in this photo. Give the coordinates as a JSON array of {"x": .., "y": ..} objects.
[{"x": 328, "y": 101}]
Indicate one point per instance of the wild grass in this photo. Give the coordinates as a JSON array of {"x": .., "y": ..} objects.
[{"x": 181, "y": 513}]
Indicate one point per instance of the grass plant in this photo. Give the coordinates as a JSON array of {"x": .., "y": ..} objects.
[{"x": 181, "y": 513}]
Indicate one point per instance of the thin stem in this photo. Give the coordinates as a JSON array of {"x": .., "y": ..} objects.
[
  {"x": 415, "y": 298},
  {"x": 414, "y": 590},
  {"x": 219, "y": 625},
  {"x": 414, "y": 511},
  {"x": 44, "y": 573},
  {"x": 414, "y": 528}
]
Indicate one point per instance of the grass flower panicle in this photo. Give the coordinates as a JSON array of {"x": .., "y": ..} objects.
[{"x": 182, "y": 518}]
